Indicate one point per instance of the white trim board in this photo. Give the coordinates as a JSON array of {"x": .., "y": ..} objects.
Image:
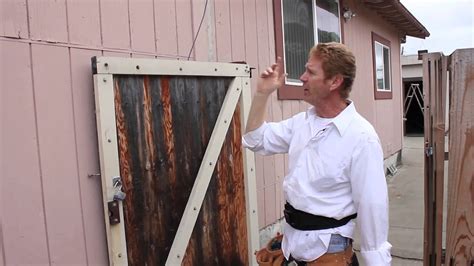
[{"x": 145, "y": 66}]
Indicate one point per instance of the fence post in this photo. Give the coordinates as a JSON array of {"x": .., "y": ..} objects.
[
  {"x": 434, "y": 85},
  {"x": 460, "y": 218}
]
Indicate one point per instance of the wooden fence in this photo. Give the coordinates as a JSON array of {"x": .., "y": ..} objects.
[{"x": 449, "y": 78}]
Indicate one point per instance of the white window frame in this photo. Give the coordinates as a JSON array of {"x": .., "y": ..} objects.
[
  {"x": 383, "y": 70},
  {"x": 382, "y": 94},
  {"x": 315, "y": 31}
]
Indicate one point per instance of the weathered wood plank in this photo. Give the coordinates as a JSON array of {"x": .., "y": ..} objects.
[
  {"x": 459, "y": 229},
  {"x": 434, "y": 154},
  {"x": 438, "y": 148},
  {"x": 241, "y": 232},
  {"x": 427, "y": 228},
  {"x": 164, "y": 126}
]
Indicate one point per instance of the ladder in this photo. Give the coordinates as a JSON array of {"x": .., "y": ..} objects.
[{"x": 413, "y": 92}]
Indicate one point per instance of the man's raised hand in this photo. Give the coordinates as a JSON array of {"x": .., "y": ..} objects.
[{"x": 271, "y": 78}]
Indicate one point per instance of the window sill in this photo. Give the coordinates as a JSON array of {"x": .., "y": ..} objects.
[
  {"x": 290, "y": 92},
  {"x": 383, "y": 95}
]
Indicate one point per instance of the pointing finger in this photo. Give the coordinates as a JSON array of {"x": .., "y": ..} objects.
[{"x": 279, "y": 65}]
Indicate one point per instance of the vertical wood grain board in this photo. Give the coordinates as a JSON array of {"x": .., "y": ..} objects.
[
  {"x": 460, "y": 222},
  {"x": 164, "y": 125}
]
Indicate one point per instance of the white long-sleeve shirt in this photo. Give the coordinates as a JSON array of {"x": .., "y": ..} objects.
[{"x": 335, "y": 170}]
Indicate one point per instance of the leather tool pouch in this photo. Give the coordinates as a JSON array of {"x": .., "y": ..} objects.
[{"x": 271, "y": 254}]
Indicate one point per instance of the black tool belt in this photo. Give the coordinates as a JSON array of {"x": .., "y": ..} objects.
[{"x": 306, "y": 221}]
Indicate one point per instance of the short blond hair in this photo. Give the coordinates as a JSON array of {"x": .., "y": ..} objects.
[{"x": 336, "y": 59}]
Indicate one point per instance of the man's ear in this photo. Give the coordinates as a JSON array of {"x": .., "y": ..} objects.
[{"x": 336, "y": 81}]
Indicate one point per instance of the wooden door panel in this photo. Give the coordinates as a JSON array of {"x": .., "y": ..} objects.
[{"x": 163, "y": 125}]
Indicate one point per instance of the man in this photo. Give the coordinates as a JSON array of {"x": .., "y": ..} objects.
[{"x": 335, "y": 164}]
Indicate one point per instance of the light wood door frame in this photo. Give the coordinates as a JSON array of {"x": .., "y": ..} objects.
[{"x": 239, "y": 91}]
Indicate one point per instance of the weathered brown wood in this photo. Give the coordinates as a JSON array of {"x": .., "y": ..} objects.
[
  {"x": 427, "y": 245},
  {"x": 460, "y": 222},
  {"x": 434, "y": 79},
  {"x": 164, "y": 125},
  {"x": 438, "y": 151}
]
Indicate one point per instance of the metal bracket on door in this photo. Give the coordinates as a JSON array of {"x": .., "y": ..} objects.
[
  {"x": 119, "y": 195},
  {"x": 114, "y": 212}
]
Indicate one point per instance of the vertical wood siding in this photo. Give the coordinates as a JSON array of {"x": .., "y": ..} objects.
[
  {"x": 47, "y": 20},
  {"x": 58, "y": 157},
  {"x": 115, "y": 26},
  {"x": 385, "y": 115},
  {"x": 47, "y": 69},
  {"x": 204, "y": 49},
  {"x": 184, "y": 26},
  {"x": 142, "y": 26},
  {"x": 23, "y": 221},
  {"x": 14, "y": 19},
  {"x": 87, "y": 156},
  {"x": 84, "y": 22},
  {"x": 165, "y": 27}
]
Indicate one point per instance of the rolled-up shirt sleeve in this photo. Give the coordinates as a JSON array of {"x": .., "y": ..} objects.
[
  {"x": 269, "y": 138},
  {"x": 369, "y": 190},
  {"x": 253, "y": 140}
]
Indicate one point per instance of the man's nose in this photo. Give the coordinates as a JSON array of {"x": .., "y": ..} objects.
[{"x": 303, "y": 77}]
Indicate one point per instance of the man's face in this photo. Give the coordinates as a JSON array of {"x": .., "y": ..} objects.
[{"x": 315, "y": 84}]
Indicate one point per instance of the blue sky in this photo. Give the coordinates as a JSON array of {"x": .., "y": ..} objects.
[{"x": 450, "y": 23}]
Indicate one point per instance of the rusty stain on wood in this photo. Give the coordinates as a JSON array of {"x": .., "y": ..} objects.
[
  {"x": 164, "y": 125},
  {"x": 124, "y": 154}
]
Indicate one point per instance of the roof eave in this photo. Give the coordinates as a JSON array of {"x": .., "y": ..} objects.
[{"x": 398, "y": 15}]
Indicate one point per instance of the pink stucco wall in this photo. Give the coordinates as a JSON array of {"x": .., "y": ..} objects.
[{"x": 50, "y": 209}]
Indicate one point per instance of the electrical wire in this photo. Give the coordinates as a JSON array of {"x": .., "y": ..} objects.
[{"x": 197, "y": 33}]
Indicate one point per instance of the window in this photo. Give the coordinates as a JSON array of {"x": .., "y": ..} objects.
[
  {"x": 382, "y": 69},
  {"x": 295, "y": 24}
]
